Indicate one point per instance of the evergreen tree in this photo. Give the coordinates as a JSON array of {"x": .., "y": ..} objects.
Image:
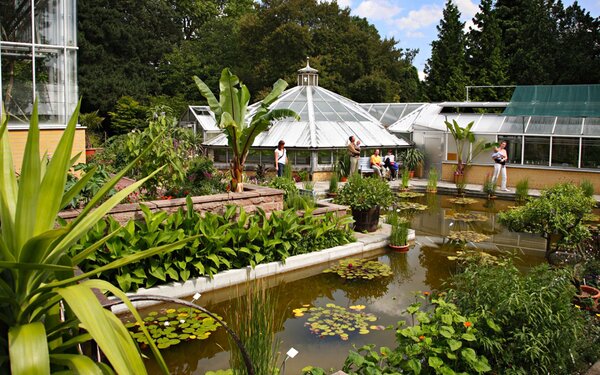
[
  {"x": 578, "y": 52},
  {"x": 446, "y": 68},
  {"x": 486, "y": 63}
]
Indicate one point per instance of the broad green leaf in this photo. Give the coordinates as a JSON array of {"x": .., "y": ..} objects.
[
  {"x": 28, "y": 349},
  {"x": 75, "y": 189},
  {"x": 108, "y": 332},
  {"x": 414, "y": 365},
  {"x": 468, "y": 337},
  {"x": 454, "y": 344},
  {"x": 469, "y": 355},
  {"x": 435, "y": 362},
  {"x": 79, "y": 364}
]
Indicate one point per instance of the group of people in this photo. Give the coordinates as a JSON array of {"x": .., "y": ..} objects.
[{"x": 379, "y": 164}]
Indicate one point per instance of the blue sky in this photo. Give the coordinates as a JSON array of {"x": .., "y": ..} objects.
[{"x": 413, "y": 23}]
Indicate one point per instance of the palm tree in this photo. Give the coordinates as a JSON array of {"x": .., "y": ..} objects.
[{"x": 230, "y": 112}]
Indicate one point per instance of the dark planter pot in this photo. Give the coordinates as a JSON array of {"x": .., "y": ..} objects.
[{"x": 367, "y": 220}]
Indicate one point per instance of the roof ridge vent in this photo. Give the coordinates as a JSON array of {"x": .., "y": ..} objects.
[{"x": 308, "y": 76}]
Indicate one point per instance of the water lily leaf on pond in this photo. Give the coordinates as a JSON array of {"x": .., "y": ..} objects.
[
  {"x": 410, "y": 206},
  {"x": 409, "y": 194},
  {"x": 338, "y": 321},
  {"x": 465, "y": 216},
  {"x": 351, "y": 269},
  {"x": 466, "y": 236},
  {"x": 171, "y": 327},
  {"x": 463, "y": 201}
]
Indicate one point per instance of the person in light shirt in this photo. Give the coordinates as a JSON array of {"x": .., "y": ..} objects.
[{"x": 500, "y": 157}]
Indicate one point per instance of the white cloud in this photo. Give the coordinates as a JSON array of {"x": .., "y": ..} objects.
[
  {"x": 467, "y": 8},
  {"x": 469, "y": 24},
  {"x": 344, "y": 3},
  {"x": 422, "y": 75},
  {"x": 420, "y": 18},
  {"x": 414, "y": 34},
  {"x": 377, "y": 10}
]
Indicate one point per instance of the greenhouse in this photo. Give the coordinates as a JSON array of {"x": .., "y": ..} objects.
[
  {"x": 546, "y": 144},
  {"x": 326, "y": 122}
]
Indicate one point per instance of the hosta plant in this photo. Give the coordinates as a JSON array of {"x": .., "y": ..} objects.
[{"x": 48, "y": 311}]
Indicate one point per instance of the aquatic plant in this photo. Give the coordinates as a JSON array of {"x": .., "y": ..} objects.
[
  {"x": 333, "y": 320},
  {"x": 466, "y": 236},
  {"x": 466, "y": 216},
  {"x": 170, "y": 327},
  {"x": 409, "y": 194},
  {"x": 405, "y": 178},
  {"x": 522, "y": 190},
  {"x": 462, "y": 201},
  {"x": 410, "y": 206},
  {"x": 432, "y": 180},
  {"x": 588, "y": 187},
  {"x": 361, "y": 269}
]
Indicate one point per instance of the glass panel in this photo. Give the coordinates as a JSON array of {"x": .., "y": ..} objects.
[
  {"x": 514, "y": 124},
  {"x": 17, "y": 83},
  {"x": 514, "y": 145},
  {"x": 592, "y": 126},
  {"x": 71, "y": 19},
  {"x": 537, "y": 150},
  {"x": 72, "y": 95},
  {"x": 253, "y": 157},
  {"x": 568, "y": 126},
  {"x": 49, "y": 23},
  {"x": 540, "y": 125},
  {"x": 488, "y": 124},
  {"x": 485, "y": 156},
  {"x": 565, "y": 152},
  {"x": 221, "y": 155},
  {"x": 302, "y": 158},
  {"x": 15, "y": 18},
  {"x": 590, "y": 153},
  {"x": 50, "y": 85},
  {"x": 324, "y": 157},
  {"x": 267, "y": 157}
]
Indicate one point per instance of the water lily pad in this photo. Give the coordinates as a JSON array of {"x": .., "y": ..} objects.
[
  {"x": 466, "y": 236},
  {"x": 466, "y": 216},
  {"x": 409, "y": 194},
  {"x": 171, "y": 327},
  {"x": 333, "y": 320},
  {"x": 359, "y": 269},
  {"x": 462, "y": 201}
]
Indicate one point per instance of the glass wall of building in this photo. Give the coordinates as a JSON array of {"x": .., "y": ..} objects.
[{"x": 38, "y": 59}]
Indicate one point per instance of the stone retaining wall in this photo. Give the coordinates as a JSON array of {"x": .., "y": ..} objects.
[{"x": 268, "y": 199}]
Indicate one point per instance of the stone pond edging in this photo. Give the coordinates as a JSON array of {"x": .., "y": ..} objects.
[{"x": 365, "y": 243}]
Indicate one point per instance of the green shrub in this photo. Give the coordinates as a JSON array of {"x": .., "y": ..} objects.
[
  {"x": 286, "y": 184},
  {"x": 234, "y": 239},
  {"x": 540, "y": 331},
  {"x": 365, "y": 193},
  {"x": 91, "y": 188},
  {"x": 522, "y": 190}
]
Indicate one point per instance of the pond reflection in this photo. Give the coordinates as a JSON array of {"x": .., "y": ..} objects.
[{"x": 425, "y": 267}]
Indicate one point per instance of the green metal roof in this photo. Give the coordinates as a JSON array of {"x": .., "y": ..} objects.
[{"x": 559, "y": 100}]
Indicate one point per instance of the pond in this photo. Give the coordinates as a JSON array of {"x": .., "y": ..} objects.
[{"x": 423, "y": 268}]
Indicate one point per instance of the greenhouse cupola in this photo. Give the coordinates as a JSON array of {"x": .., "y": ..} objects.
[{"x": 308, "y": 76}]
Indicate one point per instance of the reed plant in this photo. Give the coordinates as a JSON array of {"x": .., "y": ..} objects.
[
  {"x": 588, "y": 187},
  {"x": 334, "y": 182},
  {"x": 522, "y": 190},
  {"x": 405, "y": 178},
  {"x": 400, "y": 226},
  {"x": 489, "y": 186},
  {"x": 461, "y": 185},
  {"x": 256, "y": 321},
  {"x": 432, "y": 180}
]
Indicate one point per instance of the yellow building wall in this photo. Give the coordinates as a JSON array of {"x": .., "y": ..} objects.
[
  {"x": 48, "y": 142},
  {"x": 538, "y": 178}
]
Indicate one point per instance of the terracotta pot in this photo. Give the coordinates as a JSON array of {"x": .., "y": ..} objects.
[
  {"x": 367, "y": 220},
  {"x": 587, "y": 293},
  {"x": 399, "y": 248},
  {"x": 411, "y": 174},
  {"x": 343, "y": 179}
]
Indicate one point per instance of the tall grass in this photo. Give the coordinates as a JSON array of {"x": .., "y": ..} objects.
[
  {"x": 587, "y": 187},
  {"x": 256, "y": 322},
  {"x": 432, "y": 180},
  {"x": 522, "y": 190}
]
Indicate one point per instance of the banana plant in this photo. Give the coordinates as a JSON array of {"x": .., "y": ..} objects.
[
  {"x": 464, "y": 137},
  {"x": 48, "y": 313},
  {"x": 230, "y": 112}
]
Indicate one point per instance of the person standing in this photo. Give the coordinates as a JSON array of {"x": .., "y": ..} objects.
[
  {"x": 500, "y": 157},
  {"x": 280, "y": 158},
  {"x": 354, "y": 154}
]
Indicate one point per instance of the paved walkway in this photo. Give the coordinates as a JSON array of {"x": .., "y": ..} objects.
[{"x": 443, "y": 187}]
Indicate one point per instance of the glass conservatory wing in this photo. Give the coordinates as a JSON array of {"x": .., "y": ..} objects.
[
  {"x": 514, "y": 125},
  {"x": 294, "y": 134},
  {"x": 488, "y": 123}
]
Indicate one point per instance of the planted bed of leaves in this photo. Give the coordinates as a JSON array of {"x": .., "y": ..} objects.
[
  {"x": 360, "y": 269},
  {"x": 333, "y": 320},
  {"x": 170, "y": 327},
  {"x": 234, "y": 239}
]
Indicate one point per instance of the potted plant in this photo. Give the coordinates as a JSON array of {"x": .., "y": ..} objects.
[
  {"x": 405, "y": 179},
  {"x": 411, "y": 158},
  {"x": 343, "y": 167},
  {"x": 333, "y": 184},
  {"x": 365, "y": 196},
  {"x": 489, "y": 187},
  {"x": 399, "y": 232},
  {"x": 432, "y": 180}
]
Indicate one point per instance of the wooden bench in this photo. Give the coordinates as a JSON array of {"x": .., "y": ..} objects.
[{"x": 364, "y": 165}]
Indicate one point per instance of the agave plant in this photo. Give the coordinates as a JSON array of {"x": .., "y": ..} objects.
[
  {"x": 230, "y": 111},
  {"x": 48, "y": 312}
]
